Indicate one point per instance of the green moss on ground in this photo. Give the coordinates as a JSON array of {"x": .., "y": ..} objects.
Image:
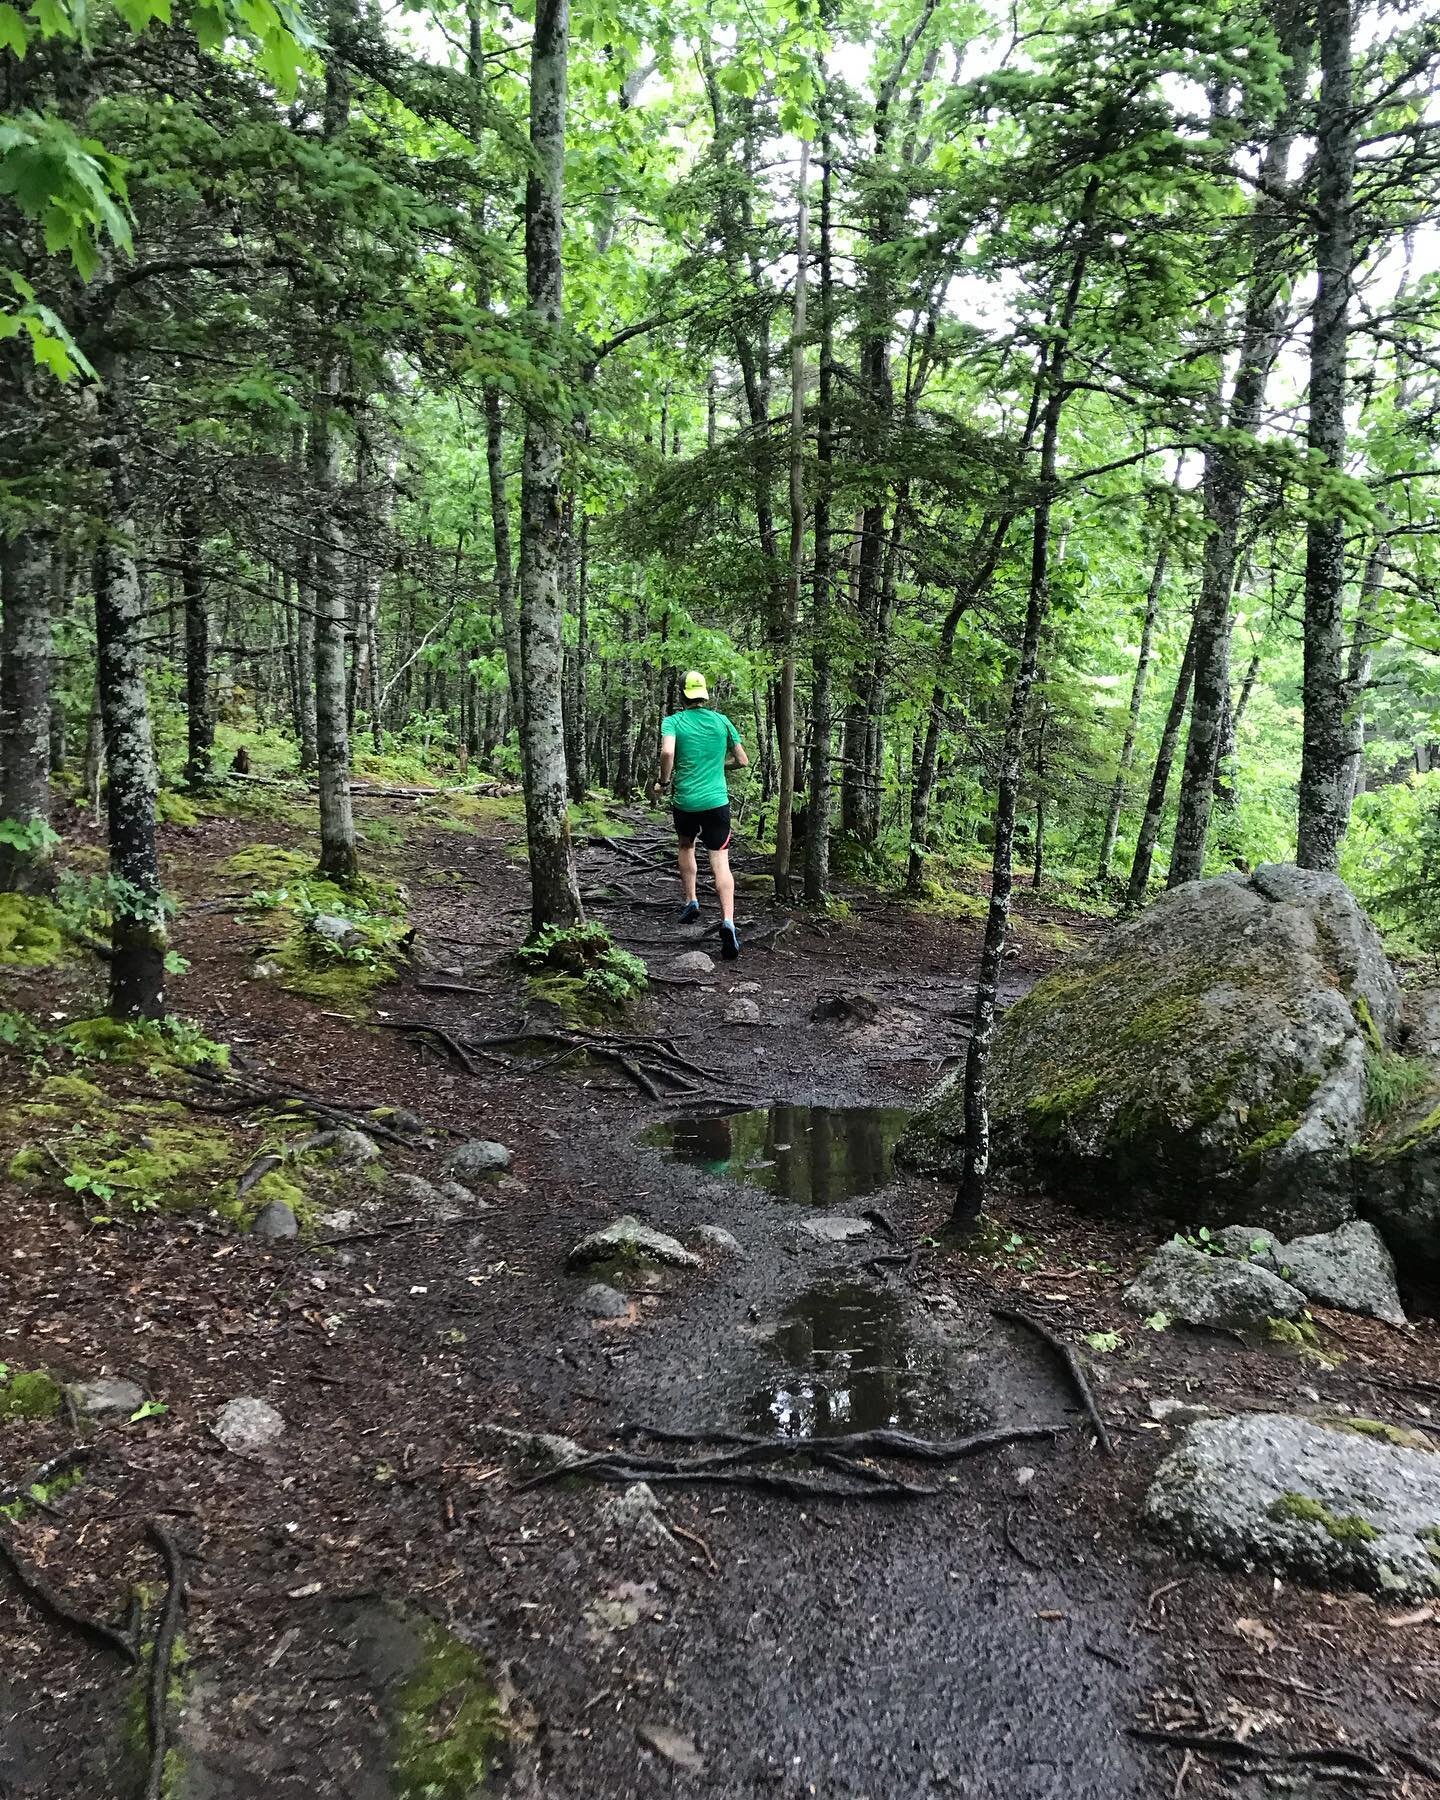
[
  {"x": 160, "y": 1045},
  {"x": 1378, "y": 1428},
  {"x": 29, "y": 1394},
  {"x": 41, "y": 1494},
  {"x": 269, "y": 865},
  {"x": 31, "y": 936},
  {"x": 175, "y": 809},
  {"x": 448, "y": 1728},
  {"x": 591, "y": 817},
  {"x": 582, "y": 972},
  {"x": 1301, "y": 1509}
]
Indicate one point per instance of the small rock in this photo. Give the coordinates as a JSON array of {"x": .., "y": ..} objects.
[
  {"x": 248, "y": 1424},
  {"x": 600, "y": 1301},
  {"x": 401, "y": 1119},
  {"x": 416, "y": 1189},
  {"x": 462, "y": 1197},
  {"x": 1198, "y": 1289},
  {"x": 835, "y": 1228},
  {"x": 547, "y": 1448},
  {"x": 1349, "y": 1268},
  {"x": 341, "y": 932},
  {"x": 481, "y": 1156},
  {"x": 348, "y": 1149},
  {"x": 745, "y": 987},
  {"x": 1023, "y": 1477},
  {"x": 1336, "y": 1505},
  {"x": 1175, "y": 1411},
  {"x": 1250, "y": 1243},
  {"x": 674, "y": 1746},
  {"x": 692, "y": 962},
  {"x": 277, "y": 1220},
  {"x": 341, "y": 1219},
  {"x": 717, "y": 1238},
  {"x": 267, "y": 969},
  {"x": 742, "y": 1012},
  {"x": 108, "y": 1395},
  {"x": 637, "y": 1513},
  {"x": 626, "y": 1239}
]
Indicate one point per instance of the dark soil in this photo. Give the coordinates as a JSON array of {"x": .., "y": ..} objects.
[{"x": 1001, "y": 1637}]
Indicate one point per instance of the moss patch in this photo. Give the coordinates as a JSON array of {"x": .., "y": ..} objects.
[
  {"x": 581, "y": 971},
  {"x": 1301, "y": 1509},
  {"x": 268, "y": 865},
  {"x": 160, "y": 1045},
  {"x": 29, "y": 1394},
  {"x": 175, "y": 809},
  {"x": 448, "y": 1725},
  {"x": 30, "y": 933},
  {"x": 1378, "y": 1428},
  {"x": 1393, "y": 1082}
]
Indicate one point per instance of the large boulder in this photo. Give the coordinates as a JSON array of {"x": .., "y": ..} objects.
[
  {"x": 1205, "y": 1061},
  {"x": 1217, "y": 1291},
  {"x": 1337, "y": 1502},
  {"x": 1399, "y": 1187}
]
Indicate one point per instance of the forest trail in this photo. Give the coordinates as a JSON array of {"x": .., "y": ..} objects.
[{"x": 1002, "y": 1636}]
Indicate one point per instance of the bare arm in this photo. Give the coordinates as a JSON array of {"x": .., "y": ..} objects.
[
  {"x": 737, "y": 759},
  {"x": 667, "y": 767}
]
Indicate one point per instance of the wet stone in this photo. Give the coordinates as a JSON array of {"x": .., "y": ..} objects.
[
  {"x": 818, "y": 1155},
  {"x": 478, "y": 1158},
  {"x": 835, "y": 1228},
  {"x": 275, "y": 1221},
  {"x": 348, "y": 1149},
  {"x": 692, "y": 962},
  {"x": 717, "y": 1239},
  {"x": 106, "y": 1396},
  {"x": 742, "y": 1012},
  {"x": 627, "y": 1239}
]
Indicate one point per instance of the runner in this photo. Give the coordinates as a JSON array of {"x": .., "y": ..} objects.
[{"x": 697, "y": 744}]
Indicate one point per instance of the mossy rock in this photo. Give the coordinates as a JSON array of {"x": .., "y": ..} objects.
[
  {"x": 30, "y": 933},
  {"x": 30, "y": 1394},
  {"x": 1205, "y": 1062},
  {"x": 1399, "y": 1186}
]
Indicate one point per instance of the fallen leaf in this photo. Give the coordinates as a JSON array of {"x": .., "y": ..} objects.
[
  {"x": 674, "y": 1746},
  {"x": 1051, "y": 1616},
  {"x": 1256, "y": 1633}
]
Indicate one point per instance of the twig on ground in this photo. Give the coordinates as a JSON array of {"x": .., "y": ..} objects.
[
  {"x": 446, "y": 1040},
  {"x": 1072, "y": 1366},
  {"x": 1415, "y": 1759},
  {"x": 41, "y": 1595},
  {"x": 161, "y": 1658},
  {"x": 450, "y": 987},
  {"x": 393, "y": 1227},
  {"x": 694, "y": 1537},
  {"x": 1015, "y": 1545}
]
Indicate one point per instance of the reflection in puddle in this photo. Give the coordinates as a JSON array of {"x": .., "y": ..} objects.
[
  {"x": 817, "y": 1154},
  {"x": 851, "y": 1362}
]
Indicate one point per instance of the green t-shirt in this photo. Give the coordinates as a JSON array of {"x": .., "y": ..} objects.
[{"x": 702, "y": 742}]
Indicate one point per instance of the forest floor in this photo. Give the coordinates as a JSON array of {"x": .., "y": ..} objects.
[{"x": 1015, "y": 1633}]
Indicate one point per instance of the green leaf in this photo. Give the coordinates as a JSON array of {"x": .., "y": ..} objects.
[
  {"x": 13, "y": 35},
  {"x": 149, "y": 1409}
]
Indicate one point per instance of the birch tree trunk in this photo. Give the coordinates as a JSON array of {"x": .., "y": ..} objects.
[
  {"x": 785, "y": 698},
  {"x": 304, "y": 609},
  {"x": 1325, "y": 763},
  {"x": 137, "y": 928},
  {"x": 332, "y": 735},
  {"x": 504, "y": 557},
  {"x": 25, "y": 661},
  {"x": 554, "y": 889}
]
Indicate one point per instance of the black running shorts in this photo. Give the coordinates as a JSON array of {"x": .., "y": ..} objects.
[{"x": 711, "y": 827}]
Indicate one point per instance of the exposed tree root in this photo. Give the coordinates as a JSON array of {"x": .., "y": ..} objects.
[
  {"x": 1072, "y": 1366},
  {"x": 156, "y": 1712},
  {"x": 44, "y": 1597}
]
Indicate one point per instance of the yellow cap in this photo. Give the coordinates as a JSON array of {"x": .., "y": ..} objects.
[{"x": 694, "y": 684}]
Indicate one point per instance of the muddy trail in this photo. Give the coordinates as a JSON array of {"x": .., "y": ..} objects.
[{"x": 401, "y": 1595}]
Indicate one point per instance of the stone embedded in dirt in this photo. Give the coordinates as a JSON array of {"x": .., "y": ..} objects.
[
  {"x": 716, "y": 1238},
  {"x": 847, "y": 1008},
  {"x": 478, "y": 1158},
  {"x": 347, "y": 1149},
  {"x": 105, "y": 1396},
  {"x": 601, "y": 1301},
  {"x": 400, "y": 1119},
  {"x": 674, "y": 1746},
  {"x": 248, "y": 1424},
  {"x": 835, "y": 1228},
  {"x": 266, "y": 969},
  {"x": 1196, "y": 1288},
  {"x": 456, "y": 1194},
  {"x": 342, "y": 933},
  {"x": 692, "y": 962},
  {"x": 636, "y": 1513},
  {"x": 547, "y": 1448},
  {"x": 742, "y": 1012},
  {"x": 746, "y": 987},
  {"x": 1335, "y": 1503},
  {"x": 1349, "y": 1268},
  {"x": 627, "y": 1239},
  {"x": 277, "y": 1220},
  {"x": 341, "y": 1219},
  {"x": 1206, "y": 1060}
]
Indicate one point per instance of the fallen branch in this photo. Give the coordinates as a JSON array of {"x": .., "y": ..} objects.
[
  {"x": 450, "y": 987},
  {"x": 161, "y": 1658},
  {"x": 423, "y": 1028},
  {"x": 1072, "y": 1366},
  {"x": 42, "y": 1596}
]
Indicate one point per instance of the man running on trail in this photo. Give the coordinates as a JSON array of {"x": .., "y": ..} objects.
[{"x": 697, "y": 744}]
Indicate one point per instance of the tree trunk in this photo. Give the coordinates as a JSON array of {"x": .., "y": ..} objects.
[
  {"x": 1359, "y": 665},
  {"x": 1160, "y": 781},
  {"x": 987, "y": 988},
  {"x": 554, "y": 889},
  {"x": 817, "y": 835},
  {"x": 137, "y": 927},
  {"x": 25, "y": 652},
  {"x": 332, "y": 737},
  {"x": 504, "y": 563},
  {"x": 785, "y": 699},
  {"x": 199, "y": 720},
  {"x": 61, "y": 597},
  {"x": 1042, "y": 773},
  {"x": 305, "y": 614},
  {"x": 94, "y": 752},
  {"x": 1325, "y": 764},
  {"x": 1137, "y": 700}
]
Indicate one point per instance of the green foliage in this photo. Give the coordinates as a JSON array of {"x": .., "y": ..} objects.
[
  {"x": 155, "y": 1044},
  {"x": 30, "y": 933},
  {"x": 579, "y": 967},
  {"x": 1393, "y": 1081},
  {"x": 448, "y": 1726},
  {"x": 1391, "y": 857}
]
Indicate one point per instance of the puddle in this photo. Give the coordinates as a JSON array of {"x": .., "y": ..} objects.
[
  {"x": 819, "y": 1155},
  {"x": 851, "y": 1360}
]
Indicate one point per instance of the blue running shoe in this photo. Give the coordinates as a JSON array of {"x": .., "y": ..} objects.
[
  {"x": 729, "y": 941},
  {"x": 690, "y": 912}
]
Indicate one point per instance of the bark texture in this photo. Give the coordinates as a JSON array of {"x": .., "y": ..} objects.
[{"x": 25, "y": 659}]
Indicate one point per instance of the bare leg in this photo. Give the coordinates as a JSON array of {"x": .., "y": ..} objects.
[
  {"x": 686, "y": 860},
  {"x": 724, "y": 881}
]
